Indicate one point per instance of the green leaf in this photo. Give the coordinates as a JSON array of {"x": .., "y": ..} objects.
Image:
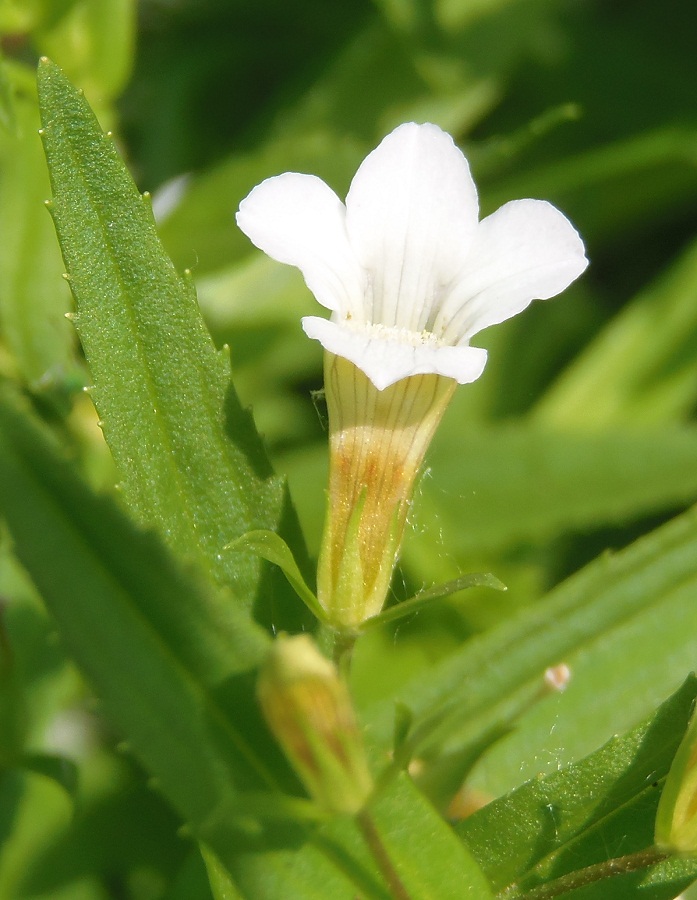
[
  {"x": 34, "y": 810},
  {"x": 170, "y": 657},
  {"x": 118, "y": 824},
  {"x": 33, "y": 297},
  {"x": 403, "y": 720},
  {"x": 35, "y": 677},
  {"x": 426, "y": 598},
  {"x": 625, "y": 625},
  {"x": 676, "y": 826},
  {"x": 94, "y": 41},
  {"x": 222, "y": 887},
  {"x": 256, "y": 307},
  {"x": 271, "y": 547},
  {"x": 601, "y": 807},
  {"x": 422, "y": 849},
  {"x": 190, "y": 461},
  {"x": 642, "y": 366},
  {"x": 62, "y": 770},
  {"x": 520, "y": 483}
]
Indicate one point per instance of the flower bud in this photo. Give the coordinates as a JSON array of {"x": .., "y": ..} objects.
[
  {"x": 676, "y": 819},
  {"x": 307, "y": 707}
]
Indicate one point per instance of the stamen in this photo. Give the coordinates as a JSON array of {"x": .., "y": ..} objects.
[{"x": 394, "y": 334}]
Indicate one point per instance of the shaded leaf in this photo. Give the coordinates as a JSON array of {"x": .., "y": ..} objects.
[
  {"x": 168, "y": 654},
  {"x": 271, "y": 547},
  {"x": 222, "y": 887},
  {"x": 422, "y": 849},
  {"x": 61, "y": 769}
]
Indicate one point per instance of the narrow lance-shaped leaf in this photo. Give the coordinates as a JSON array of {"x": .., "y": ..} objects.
[
  {"x": 169, "y": 656},
  {"x": 271, "y": 547},
  {"x": 189, "y": 458},
  {"x": 421, "y": 850},
  {"x": 425, "y": 598},
  {"x": 602, "y": 807},
  {"x": 625, "y": 625},
  {"x": 523, "y": 483}
]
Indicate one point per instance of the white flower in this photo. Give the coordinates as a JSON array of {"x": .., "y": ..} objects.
[
  {"x": 410, "y": 275},
  {"x": 406, "y": 268}
]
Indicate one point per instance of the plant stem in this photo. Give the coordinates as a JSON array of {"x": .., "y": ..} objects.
[
  {"x": 377, "y": 848},
  {"x": 338, "y": 645},
  {"x": 620, "y": 865},
  {"x": 344, "y": 643}
]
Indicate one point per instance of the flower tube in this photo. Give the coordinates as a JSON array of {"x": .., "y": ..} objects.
[{"x": 410, "y": 275}]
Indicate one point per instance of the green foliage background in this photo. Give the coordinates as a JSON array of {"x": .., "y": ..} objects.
[{"x": 579, "y": 437}]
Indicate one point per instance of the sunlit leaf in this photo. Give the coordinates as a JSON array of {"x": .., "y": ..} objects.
[
  {"x": 189, "y": 458},
  {"x": 602, "y": 807},
  {"x": 422, "y": 849},
  {"x": 626, "y": 627},
  {"x": 522, "y": 483}
]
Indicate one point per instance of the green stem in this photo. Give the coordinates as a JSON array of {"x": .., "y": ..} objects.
[
  {"x": 377, "y": 848},
  {"x": 620, "y": 865},
  {"x": 338, "y": 645}
]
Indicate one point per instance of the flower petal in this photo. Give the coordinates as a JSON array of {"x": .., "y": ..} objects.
[
  {"x": 386, "y": 360},
  {"x": 298, "y": 220},
  {"x": 527, "y": 250},
  {"x": 411, "y": 215}
]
